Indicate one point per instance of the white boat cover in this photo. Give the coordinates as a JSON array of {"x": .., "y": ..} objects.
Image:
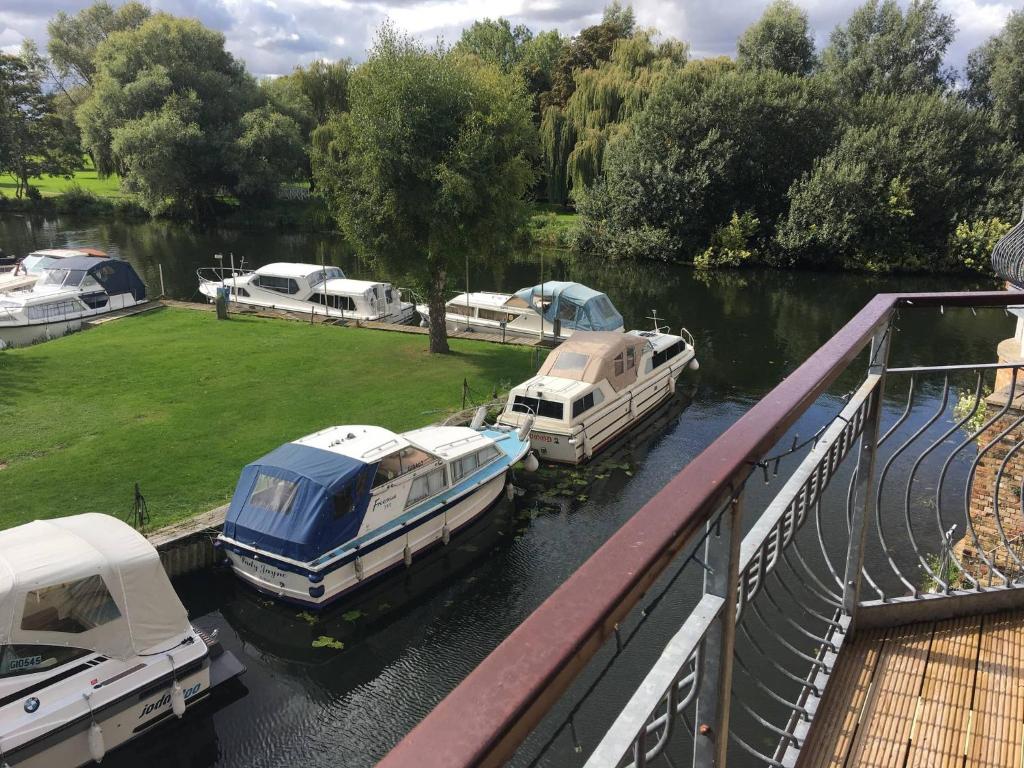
[{"x": 87, "y": 581}]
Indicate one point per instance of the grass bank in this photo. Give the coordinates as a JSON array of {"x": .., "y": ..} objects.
[
  {"x": 552, "y": 225},
  {"x": 51, "y": 186},
  {"x": 179, "y": 402}
]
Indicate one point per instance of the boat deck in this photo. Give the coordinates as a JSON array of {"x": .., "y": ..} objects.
[{"x": 944, "y": 693}]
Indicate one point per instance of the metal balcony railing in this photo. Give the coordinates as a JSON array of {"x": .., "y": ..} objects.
[{"x": 879, "y": 516}]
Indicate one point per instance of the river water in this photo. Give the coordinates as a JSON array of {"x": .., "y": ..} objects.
[{"x": 410, "y": 640}]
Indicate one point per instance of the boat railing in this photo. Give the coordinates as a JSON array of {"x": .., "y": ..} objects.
[
  {"x": 218, "y": 275},
  {"x": 848, "y": 478},
  {"x": 687, "y": 336}
]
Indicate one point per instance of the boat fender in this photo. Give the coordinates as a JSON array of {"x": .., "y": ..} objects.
[
  {"x": 693, "y": 365},
  {"x": 177, "y": 699},
  {"x": 407, "y": 556},
  {"x": 97, "y": 749},
  {"x": 446, "y": 535},
  {"x": 358, "y": 564},
  {"x": 672, "y": 384},
  {"x": 424, "y": 324},
  {"x": 532, "y": 463},
  {"x": 525, "y": 427},
  {"x": 510, "y": 491},
  {"x": 478, "y": 418}
]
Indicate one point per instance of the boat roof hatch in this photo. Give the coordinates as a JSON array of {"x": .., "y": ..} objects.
[{"x": 88, "y": 581}]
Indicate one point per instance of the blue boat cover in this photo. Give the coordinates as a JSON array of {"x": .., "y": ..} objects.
[
  {"x": 576, "y": 306},
  {"x": 116, "y": 276},
  {"x": 299, "y": 501}
]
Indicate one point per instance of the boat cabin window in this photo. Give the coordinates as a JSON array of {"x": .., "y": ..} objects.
[
  {"x": 619, "y": 364},
  {"x": 338, "y": 302},
  {"x": 425, "y": 486},
  {"x": 73, "y": 607},
  {"x": 549, "y": 409},
  {"x": 239, "y": 292},
  {"x": 500, "y": 317},
  {"x": 398, "y": 463},
  {"x": 346, "y": 499},
  {"x": 331, "y": 273},
  {"x": 26, "y": 659},
  {"x": 53, "y": 309},
  {"x": 389, "y": 295},
  {"x": 279, "y": 284},
  {"x": 570, "y": 361},
  {"x": 273, "y": 493},
  {"x": 630, "y": 358},
  {"x": 63, "y": 277},
  {"x": 460, "y": 309},
  {"x": 587, "y": 402},
  {"x": 469, "y": 463},
  {"x": 662, "y": 357}
]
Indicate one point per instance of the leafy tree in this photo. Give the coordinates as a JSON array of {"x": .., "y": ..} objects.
[
  {"x": 606, "y": 97},
  {"x": 74, "y": 39},
  {"x": 433, "y": 158},
  {"x": 270, "y": 149},
  {"x": 537, "y": 61},
  {"x": 709, "y": 141},
  {"x": 495, "y": 41},
  {"x": 890, "y": 193},
  {"x": 780, "y": 39},
  {"x": 884, "y": 50},
  {"x": 33, "y": 141},
  {"x": 592, "y": 45},
  {"x": 166, "y": 112},
  {"x": 995, "y": 73}
]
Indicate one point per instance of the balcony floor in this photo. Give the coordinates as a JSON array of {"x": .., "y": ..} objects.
[{"x": 948, "y": 693}]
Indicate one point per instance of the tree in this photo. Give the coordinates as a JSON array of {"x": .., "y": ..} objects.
[
  {"x": 271, "y": 149},
  {"x": 167, "y": 112},
  {"x": 995, "y": 73},
  {"x": 32, "y": 137},
  {"x": 74, "y": 39},
  {"x": 537, "y": 61},
  {"x": 495, "y": 41},
  {"x": 605, "y": 99},
  {"x": 592, "y": 45},
  {"x": 780, "y": 39},
  {"x": 710, "y": 142},
  {"x": 884, "y": 50},
  {"x": 433, "y": 158}
]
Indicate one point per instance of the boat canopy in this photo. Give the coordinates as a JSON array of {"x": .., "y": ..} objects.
[
  {"x": 299, "y": 501},
  {"x": 88, "y": 581},
  {"x": 592, "y": 356},
  {"x": 116, "y": 276},
  {"x": 575, "y": 305}
]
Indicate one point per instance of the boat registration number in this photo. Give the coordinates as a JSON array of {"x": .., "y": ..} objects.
[
  {"x": 543, "y": 438},
  {"x": 261, "y": 569}
]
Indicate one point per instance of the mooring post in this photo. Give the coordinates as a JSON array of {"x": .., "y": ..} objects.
[{"x": 160, "y": 267}]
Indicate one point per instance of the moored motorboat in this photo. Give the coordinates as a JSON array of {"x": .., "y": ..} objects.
[
  {"x": 316, "y": 518},
  {"x": 16, "y": 274},
  {"x": 594, "y": 387},
  {"x": 308, "y": 288},
  {"x": 96, "y": 646},
  {"x": 68, "y": 291},
  {"x": 560, "y": 308}
]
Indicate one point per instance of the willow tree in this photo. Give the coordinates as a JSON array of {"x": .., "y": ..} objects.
[
  {"x": 598, "y": 112},
  {"x": 433, "y": 160}
]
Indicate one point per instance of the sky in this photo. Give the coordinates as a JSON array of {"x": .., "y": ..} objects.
[{"x": 274, "y": 36}]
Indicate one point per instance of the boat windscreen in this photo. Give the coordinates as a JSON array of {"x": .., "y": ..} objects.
[{"x": 69, "y": 277}]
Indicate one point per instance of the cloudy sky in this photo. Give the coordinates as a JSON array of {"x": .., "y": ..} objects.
[{"x": 272, "y": 36}]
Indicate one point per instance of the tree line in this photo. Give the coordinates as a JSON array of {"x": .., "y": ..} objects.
[{"x": 870, "y": 154}]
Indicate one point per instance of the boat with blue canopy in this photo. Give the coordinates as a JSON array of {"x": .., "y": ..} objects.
[
  {"x": 559, "y": 308},
  {"x": 316, "y": 518}
]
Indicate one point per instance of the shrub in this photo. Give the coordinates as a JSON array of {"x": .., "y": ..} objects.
[
  {"x": 32, "y": 193},
  {"x": 971, "y": 244},
  {"x": 730, "y": 243},
  {"x": 75, "y": 199}
]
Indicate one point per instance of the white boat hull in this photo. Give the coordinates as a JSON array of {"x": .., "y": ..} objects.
[
  {"x": 578, "y": 445},
  {"x": 24, "y": 335},
  {"x": 338, "y": 581},
  {"x": 401, "y": 314}
]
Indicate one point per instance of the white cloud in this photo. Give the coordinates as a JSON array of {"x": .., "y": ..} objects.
[{"x": 273, "y": 36}]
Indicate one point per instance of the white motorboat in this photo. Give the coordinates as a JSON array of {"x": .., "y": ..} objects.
[
  {"x": 316, "y": 518},
  {"x": 25, "y": 272},
  {"x": 97, "y": 647},
  {"x": 594, "y": 387},
  {"x": 561, "y": 308},
  {"x": 308, "y": 288},
  {"x": 68, "y": 291}
]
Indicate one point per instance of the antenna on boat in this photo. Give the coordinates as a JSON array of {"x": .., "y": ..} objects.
[{"x": 654, "y": 317}]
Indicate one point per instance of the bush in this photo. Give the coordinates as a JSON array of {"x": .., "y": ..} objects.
[
  {"x": 75, "y": 199},
  {"x": 971, "y": 244},
  {"x": 32, "y": 193},
  {"x": 729, "y": 244}
]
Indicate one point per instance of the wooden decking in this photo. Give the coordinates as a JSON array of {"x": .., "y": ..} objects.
[{"x": 930, "y": 695}]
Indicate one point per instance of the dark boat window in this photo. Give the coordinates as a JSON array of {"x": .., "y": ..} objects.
[
  {"x": 27, "y": 659},
  {"x": 583, "y": 405},
  {"x": 662, "y": 357},
  {"x": 546, "y": 408},
  {"x": 72, "y": 608},
  {"x": 338, "y": 302},
  {"x": 279, "y": 284},
  {"x": 343, "y": 502},
  {"x": 95, "y": 300}
]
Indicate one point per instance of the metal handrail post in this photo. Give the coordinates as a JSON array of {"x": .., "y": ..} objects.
[
  {"x": 721, "y": 579},
  {"x": 863, "y": 508}
]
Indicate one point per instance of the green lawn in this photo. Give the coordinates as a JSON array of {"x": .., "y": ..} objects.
[
  {"x": 180, "y": 401},
  {"x": 49, "y": 186},
  {"x": 552, "y": 224}
]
